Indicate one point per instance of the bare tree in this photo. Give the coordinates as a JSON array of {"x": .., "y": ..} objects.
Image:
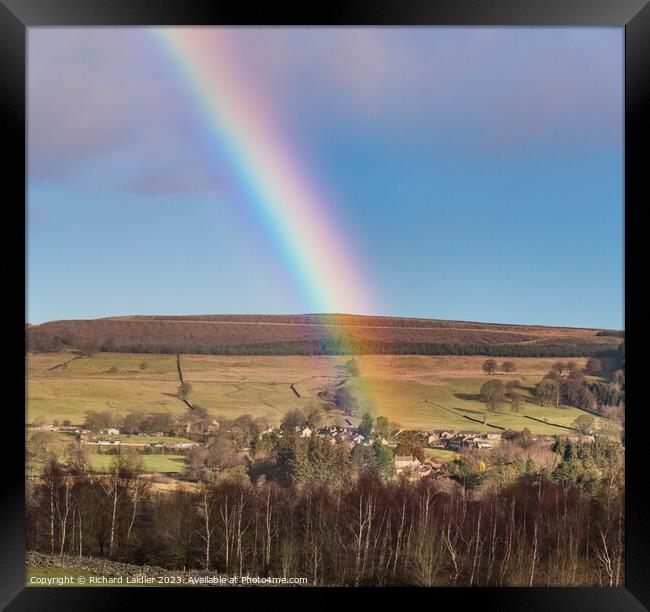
[
  {"x": 508, "y": 367},
  {"x": 489, "y": 366},
  {"x": 207, "y": 505}
]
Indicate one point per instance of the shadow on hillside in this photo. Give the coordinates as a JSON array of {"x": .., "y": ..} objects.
[
  {"x": 472, "y": 397},
  {"x": 469, "y": 410}
]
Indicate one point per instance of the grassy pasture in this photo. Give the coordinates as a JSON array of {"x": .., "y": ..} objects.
[
  {"x": 71, "y": 397},
  {"x": 440, "y": 455},
  {"x": 165, "y": 464},
  {"x": 453, "y": 403},
  {"x": 103, "y": 365},
  {"x": 260, "y": 385},
  {"x": 266, "y": 369},
  {"x": 59, "y": 443},
  {"x": 442, "y": 393},
  {"x": 427, "y": 392},
  {"x": 153, "y": 464}
]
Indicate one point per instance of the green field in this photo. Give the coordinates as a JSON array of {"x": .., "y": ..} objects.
[
  {"x": 59, "y": 443},
  {"x": 453, "y": 403},
  {"x": 440, "y": 455},
  {"x": 151, "y": 464},
  {"x": 164, "y": 464},
  {"x": 413, "y": 391}
]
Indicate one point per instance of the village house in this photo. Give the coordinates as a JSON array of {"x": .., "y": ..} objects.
[
  {"x": 581, "y": 438},
  {"x": 67, "y": 429},
  {"x": 482, "y": 444},
  {"x": 422, "y": 471},
  {"x": 468, "y": 440},
  {"x": 181, "y": 445},
  {"x": 406, "y": 462}
]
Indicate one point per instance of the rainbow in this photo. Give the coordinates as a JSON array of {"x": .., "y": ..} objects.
[{"x": 293, "y": 211}]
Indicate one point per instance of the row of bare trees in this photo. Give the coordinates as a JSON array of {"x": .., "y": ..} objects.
[
  {"x": 86, "y": 513},
  {"x": 370, "y": 532}
]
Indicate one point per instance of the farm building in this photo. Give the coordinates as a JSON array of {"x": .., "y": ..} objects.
[{"x": 404, "y": 462}]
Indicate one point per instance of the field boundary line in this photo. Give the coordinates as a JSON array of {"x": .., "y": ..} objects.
[
  {"x": 65, "y": 363},
  {"x": 526, "y": 416},
  {"x": 180, "y": 377},
  {"x": 428, "y": 401}
]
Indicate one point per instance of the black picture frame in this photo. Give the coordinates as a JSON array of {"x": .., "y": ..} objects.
[{"x": 18, "y": 15}]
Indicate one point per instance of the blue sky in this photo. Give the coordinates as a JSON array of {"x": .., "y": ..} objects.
[{"x": 476, "y": 174}]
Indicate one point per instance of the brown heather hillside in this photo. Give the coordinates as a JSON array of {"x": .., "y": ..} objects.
[{"x": 314, "y": 334}]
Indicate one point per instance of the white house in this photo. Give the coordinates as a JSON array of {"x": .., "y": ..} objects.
[
  {"x": 482, "y": 444},
  {"x": 403, "y": 462},
  {"x": 185, "y": 444}
]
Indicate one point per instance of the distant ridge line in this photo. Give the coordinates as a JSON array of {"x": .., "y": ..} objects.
[
  {"x": 322, "y": 334},
  {"x": 338, "y": 318}
]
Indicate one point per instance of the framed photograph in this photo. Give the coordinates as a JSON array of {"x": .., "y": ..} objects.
[{"x": 325, "y": 300}]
